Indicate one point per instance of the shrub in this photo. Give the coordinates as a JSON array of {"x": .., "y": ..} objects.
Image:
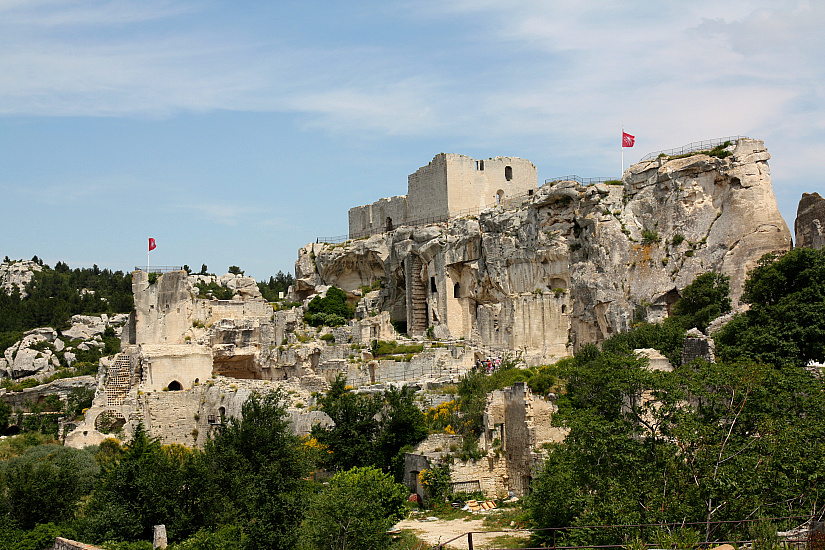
[
  {"x": 677, "y": 239},
  {"x": 331, "y": 310},
  {"x": 649, "y": 237}
]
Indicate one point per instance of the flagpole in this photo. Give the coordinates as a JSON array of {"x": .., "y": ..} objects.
[
  {"x": 621, "y": 175},
  {"x": 148, "y": 250}
]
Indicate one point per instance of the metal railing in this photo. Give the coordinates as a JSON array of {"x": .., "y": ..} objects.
[
  {"x": 158, "y": 268},
  {"x": 714, "y": 533},
  {"x": 692, "y": 147},
  {"x": 582, "y": 181}
]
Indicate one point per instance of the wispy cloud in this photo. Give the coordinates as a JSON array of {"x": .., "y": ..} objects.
[{"x": 224, "y": 213}]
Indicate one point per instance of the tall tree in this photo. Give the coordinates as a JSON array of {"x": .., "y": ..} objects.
[
  {"x": 785, "y": 324},
  {"x": 257, "y": 472},
  {"x": 355, "y": 511}
]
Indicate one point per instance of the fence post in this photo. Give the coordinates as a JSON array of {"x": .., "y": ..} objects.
[{"x": 470, "y": 540}]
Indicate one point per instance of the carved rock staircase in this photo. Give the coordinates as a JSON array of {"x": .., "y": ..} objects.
[{"x": 118, "y": 380}]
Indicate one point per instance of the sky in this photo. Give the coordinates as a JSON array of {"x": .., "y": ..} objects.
[{"x": 236, "y": 132}]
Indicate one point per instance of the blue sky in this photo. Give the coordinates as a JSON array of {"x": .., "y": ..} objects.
[{"x": 236, "y": 132}]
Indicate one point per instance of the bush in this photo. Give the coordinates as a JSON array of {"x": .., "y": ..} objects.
[
  {"x": 331, "y": 310},
  {"x": 650, "y": 237}
]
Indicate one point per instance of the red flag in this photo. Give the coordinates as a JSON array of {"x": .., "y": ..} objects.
[
  {"x": 152, "y": 244},
  {"x": 627, "y": 139}
]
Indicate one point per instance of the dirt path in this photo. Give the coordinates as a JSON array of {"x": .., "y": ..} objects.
[{"x": 440, "y": 531}]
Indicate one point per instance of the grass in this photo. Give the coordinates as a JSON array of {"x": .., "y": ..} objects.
[
  {"x": 509, "y": 541},
  {"x": 408, "y": 540}
]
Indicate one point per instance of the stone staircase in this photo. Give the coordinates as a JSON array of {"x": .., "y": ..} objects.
[
  {"x": 419, "y": 298},
  {"x": 118, "y": 380}
]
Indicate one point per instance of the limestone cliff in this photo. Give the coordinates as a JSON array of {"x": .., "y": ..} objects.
[
  {"x": 570, "y": 264},
  {"x": 810, "y": 221}
]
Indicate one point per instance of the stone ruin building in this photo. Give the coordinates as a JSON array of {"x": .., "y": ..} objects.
[
  {"x": 551, "y": 269},
  {"x": 476, "y": 260},
  {"x": 450, "y": 185}
]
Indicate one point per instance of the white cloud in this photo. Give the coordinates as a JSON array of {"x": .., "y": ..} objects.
[{"x": 224, "y": 213}]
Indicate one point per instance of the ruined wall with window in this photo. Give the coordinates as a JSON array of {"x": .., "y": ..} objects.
[{"x": 450, "y": 185}]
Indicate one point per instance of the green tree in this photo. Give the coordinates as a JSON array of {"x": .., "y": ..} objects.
[
  {"x": 145, "y": 486},
  {"x": 46, "y": 483},
  {"x": 704, "y": 443},
  {"x": 5, "y": 414},
  {"x": 373, "y": 504},
  {"x": 785, "y": 325},
  {"x": 257, "y": 471},
  {"x": 703, "y": 300},
  {"x": 401, "y": 426},
  {"x": 351, "y": 439}
]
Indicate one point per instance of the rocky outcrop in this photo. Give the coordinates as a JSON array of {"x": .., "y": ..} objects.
[
  {"x": 17, "y": 274},
  {"x": 810, "y": 221},
  {"x": 63, "y": 388},
  {"x": 42, "y": 351},
  {"x": 571, "y": 264}
]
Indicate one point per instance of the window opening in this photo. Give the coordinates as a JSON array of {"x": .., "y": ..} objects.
[{"x": 508, "y": 173}]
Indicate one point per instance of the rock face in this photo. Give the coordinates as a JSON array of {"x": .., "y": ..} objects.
[
  {"x": 810, "y": 221},
  {"x": 571, "y": 264},
  {"x": 42, "y": 351},
  {"x": 18, "y": 274}
]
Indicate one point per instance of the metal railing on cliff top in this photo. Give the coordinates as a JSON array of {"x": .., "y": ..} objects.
[
  {"x": 692, "y": 147},
  {"x": 158, "y": 268}
]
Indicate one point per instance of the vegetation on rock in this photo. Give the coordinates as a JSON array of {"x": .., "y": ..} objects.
[{"x": 332, "y": 310}]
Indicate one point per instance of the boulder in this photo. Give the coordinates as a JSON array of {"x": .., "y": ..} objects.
[
  {"x": 85, "y": 327},
  {"x": 245, "y": 287}
]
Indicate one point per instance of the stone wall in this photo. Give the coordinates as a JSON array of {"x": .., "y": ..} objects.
[
  {"x": 449, "y": 185},
  {"x": 65, "y": 544},
  {"x": 186, "y": 364},
  {"x": 427, "y": 190}
]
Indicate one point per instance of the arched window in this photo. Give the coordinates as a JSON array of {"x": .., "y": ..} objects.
[
  {"x": 174, "y": 385},
  {"x": 499, "y": 196},
  {"x": 508, "y": 173}
]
